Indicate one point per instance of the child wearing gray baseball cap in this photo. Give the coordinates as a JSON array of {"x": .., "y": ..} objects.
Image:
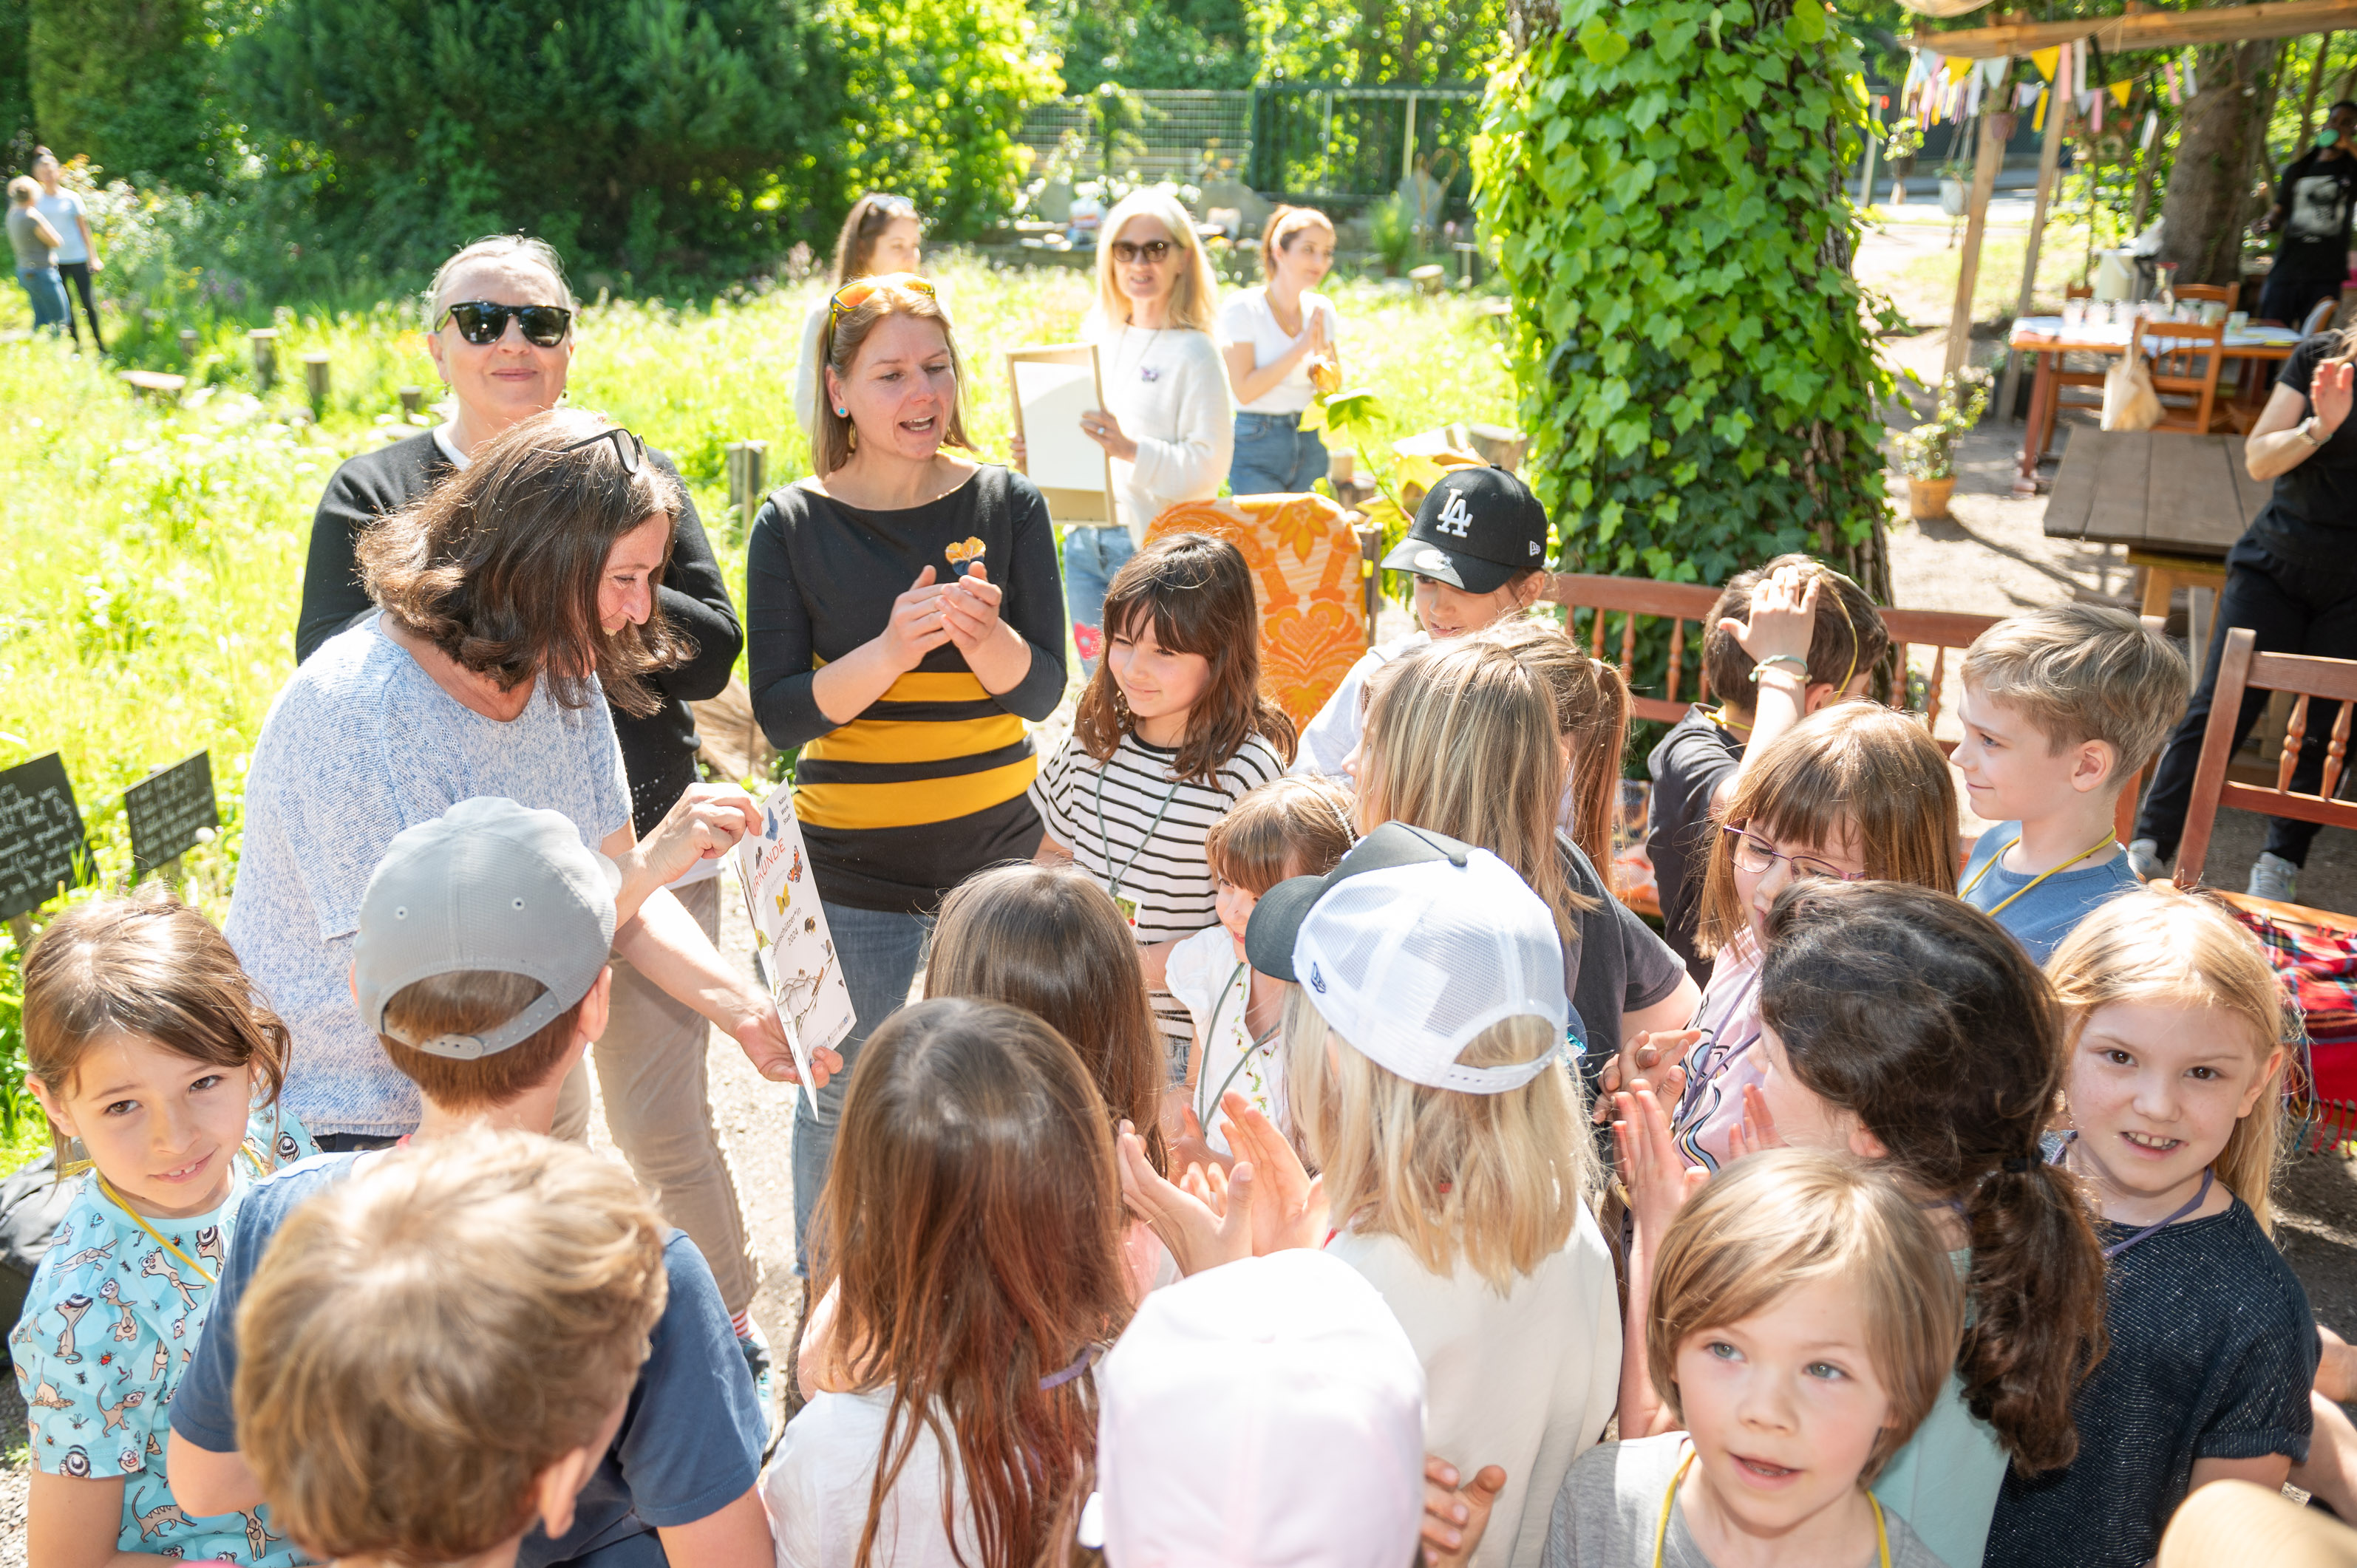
[
  {"x": 481, "y": 963},
  {"x": 1424, "y": 1041}
]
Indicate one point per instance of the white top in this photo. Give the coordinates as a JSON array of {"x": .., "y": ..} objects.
[
  {"x": 1246, "y": 318},
  {"x": 1333, "y": 734},
  {"x": 1170, "y": 390},
  {"x": 1211, "y": 978},
  {"x": 62, "y": 210},
  {"x": 815, "y": 1490},
  {"x": 1526, "y": 1381}
]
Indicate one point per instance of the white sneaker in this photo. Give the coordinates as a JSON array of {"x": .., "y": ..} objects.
[
  {"x": 2273, "y": 876},
  {"x": 2144, "y": 859}
]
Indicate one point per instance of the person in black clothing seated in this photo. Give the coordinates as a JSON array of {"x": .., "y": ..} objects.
[
  {"x": 2292, "y": 579},
  {"x": 905, "y": 617},
  {"x": 499, "y": 321},
  {"x": 2313, "y": 202}
]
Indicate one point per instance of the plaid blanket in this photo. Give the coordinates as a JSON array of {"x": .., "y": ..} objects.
[{"x": 2318, "y": 970}]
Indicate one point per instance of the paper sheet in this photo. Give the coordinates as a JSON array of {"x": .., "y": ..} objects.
[
  {"x": 790, "y": 939},
  {"x": 1057, "y": 455}
]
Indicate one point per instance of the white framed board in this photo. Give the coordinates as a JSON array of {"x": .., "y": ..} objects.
[{"x": 1052, "y": 385}]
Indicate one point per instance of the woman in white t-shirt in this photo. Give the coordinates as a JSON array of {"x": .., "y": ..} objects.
[
  {"x": 77, "y": 248},
  {"x": 1166, "y": 420},
  {"x": 1281, "y": 343}
]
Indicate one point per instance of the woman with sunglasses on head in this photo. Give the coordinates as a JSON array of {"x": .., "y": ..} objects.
[
  {"x": 498, "y": 320},
  {"x": 903, "y": 623},
  {"x": 881, "y": 234},
  {"x": 1166, "y": 421}
]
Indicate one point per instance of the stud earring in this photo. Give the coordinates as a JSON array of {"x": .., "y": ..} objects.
[{"x": 841, "y": 413}]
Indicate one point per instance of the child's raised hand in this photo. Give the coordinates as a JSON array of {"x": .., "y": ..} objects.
[
  {"x": 1204, "y": 1224},
  {"x": 1784, "y": 618},
  {"x": 1757, "y": 1131},
  {"x": 1454, "y": 1517},
  {"x": 1292, "y": 1203},
  {"x": 1652, "y": 1169},
  {"x": 1190, "y": 1147},
  {"x": 1641, "y": 1061},
  {"x": 2329, "y": 394}
]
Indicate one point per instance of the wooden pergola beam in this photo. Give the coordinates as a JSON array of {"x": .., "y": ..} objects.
[{"x": 2147, "y": 29}]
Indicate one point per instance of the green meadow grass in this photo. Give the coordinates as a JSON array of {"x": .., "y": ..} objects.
[{"x": 153, "y": 552}]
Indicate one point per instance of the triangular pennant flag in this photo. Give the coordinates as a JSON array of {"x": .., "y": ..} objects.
[
  {"x": 2025, "y": 94},
  {"x": 2046, "y": 61},
  {"x": 2151, "y": 129},
  {"x": 1993, "y": 72},
  {"x": 2093, "y": 110},
  {"x": 2192, "y": 83},
  {"x": 2168, "y": 74},
  {"x": 2120, "y": 90},
  {"x": 2038, "y": 121},
  {"x": 1957, "y": 67}
]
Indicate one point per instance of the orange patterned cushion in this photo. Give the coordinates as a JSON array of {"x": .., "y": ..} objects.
[{"x": 1304, "y": 563}]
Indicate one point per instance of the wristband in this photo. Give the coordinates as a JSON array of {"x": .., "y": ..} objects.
[
  {"x": 2306, "y": 434},
  {"x": 1799, "y": 663}
]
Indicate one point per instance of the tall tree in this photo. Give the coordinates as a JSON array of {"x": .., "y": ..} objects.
[
  {"x": 1376, "y": 42},
  {"x": 130, "y": 84},
  {"x": 2220, "y": 146}
]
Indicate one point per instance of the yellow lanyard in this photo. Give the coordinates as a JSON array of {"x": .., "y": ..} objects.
[
  {"x": 1722, "y": 721},
  {"x": 252, "y": 1155},
  {"x": 2098, "y": 847},
  {"x": 1669, "y": 1500}
]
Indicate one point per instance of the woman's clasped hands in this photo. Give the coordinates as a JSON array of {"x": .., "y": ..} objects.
[{"x": 963, "y": 611}]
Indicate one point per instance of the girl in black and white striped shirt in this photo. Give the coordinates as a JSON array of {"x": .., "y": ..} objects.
[{"x": 1170, "y": 730}]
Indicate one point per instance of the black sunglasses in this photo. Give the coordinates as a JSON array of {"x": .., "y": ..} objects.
[
  {"x": 480, "y": 322},
  {"x": 1149, "y": 251},
  {"x": 633, "y": 451}
]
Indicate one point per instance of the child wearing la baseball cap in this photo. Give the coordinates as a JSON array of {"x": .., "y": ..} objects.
[
  {"x": 1478, "y": 554},
  {"x": 1423, "y": 1042}
]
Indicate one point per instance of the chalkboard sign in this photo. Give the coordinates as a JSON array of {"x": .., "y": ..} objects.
[
  {"x": 168, "y": 810},
  {"x": 41, "y": 841}
]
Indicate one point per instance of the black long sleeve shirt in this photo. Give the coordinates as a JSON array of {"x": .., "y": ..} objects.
[{"x": 657, "y": 751}]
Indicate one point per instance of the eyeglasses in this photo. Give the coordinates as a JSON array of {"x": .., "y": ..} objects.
[
  {"x": 628, "y": 446},
  {"x": 859, "y": 291},
  {"x": 1754, "y": 855},
  {"x": 1154, "y": 250},
  {"x": 481, "y": 322}
]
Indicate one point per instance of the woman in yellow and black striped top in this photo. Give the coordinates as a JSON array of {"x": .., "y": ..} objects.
[{"x": 904, "y": 618}]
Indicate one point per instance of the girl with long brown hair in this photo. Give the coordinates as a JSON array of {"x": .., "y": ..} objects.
[
  {"x": 1169, "y": 733},
  {"x": 974, "y": 1221},
  {"x": 882, "y": 234}
]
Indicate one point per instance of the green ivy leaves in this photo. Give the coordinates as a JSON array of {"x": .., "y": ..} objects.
[{"x": 1695, "y": 359}]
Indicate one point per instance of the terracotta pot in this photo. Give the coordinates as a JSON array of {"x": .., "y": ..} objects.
[{"x": 1928, "y": 498}]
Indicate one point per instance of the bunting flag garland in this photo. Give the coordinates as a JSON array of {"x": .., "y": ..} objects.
[
  {"x": 1994, "y": 72},
  {"x": 2045, "y": 60},
  {"x": 2192, "y": 84},
  {"x": 2169, "y": 75},
  {"x": 2151, "y": 129},
  {"x": 2119, "y": 91},
  {"x": 2027, "y": 93},
  {"x": 2038, "y": 121}
]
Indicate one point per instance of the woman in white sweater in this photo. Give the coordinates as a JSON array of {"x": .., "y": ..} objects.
[{"x": 1166, "y": 421}]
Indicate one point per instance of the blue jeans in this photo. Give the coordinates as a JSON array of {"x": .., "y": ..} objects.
[
  {"x": 48, "y": 292},
  {"x": 882, "y": 953},
  {"x": 1274, "y": 456},
  {"x": 1091, "y": 557}
]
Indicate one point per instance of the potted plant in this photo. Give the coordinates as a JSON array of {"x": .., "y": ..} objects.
[{"x": 1927, "y": 453}]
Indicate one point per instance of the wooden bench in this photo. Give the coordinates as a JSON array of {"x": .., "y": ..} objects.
[{"x": 155, "y": 383}]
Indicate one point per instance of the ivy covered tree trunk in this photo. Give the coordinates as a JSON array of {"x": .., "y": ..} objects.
[
  {"x": 1696, "y": 371},
  {"x": 2218, "y": 149}
]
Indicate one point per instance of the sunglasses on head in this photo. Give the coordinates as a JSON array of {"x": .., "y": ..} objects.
[
  {"x": 481, "y": 322},
  {"x": 1154, "y": 250},
  {"x": 628, "y": 446},
  {"x": 859, "y": 291}
]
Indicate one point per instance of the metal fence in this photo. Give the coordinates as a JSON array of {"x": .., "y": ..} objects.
[{"x": 1338, "y": 145}]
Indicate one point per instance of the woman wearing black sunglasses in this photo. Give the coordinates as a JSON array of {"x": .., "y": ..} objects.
[{"x": 498, "y": 320}]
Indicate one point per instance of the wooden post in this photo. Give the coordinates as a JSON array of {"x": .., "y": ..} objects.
[
  {"x": 188, "y": 345},
  {"x": 1985, "y": 167},
  {"x": 749, "y": 480},
  {"x": 20, "y": 931},
  {"x": 315, "y": 376},
  {"x": 2049, "y": 159},
  {"x": 1866, "y": 182},
  {"x": 1370, "y": 550},
  {"x": 264, "y": 341},
  {"x": 413, "y": 401},
  {"x": 2315, "y": 84}
]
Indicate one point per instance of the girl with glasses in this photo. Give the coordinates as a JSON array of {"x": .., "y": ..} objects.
[{"x": 1167, "y": 423}]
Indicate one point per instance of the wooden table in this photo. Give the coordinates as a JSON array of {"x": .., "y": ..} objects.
[
  {"x": 2178, "y": 501},
  {"x": 2045, "y": 338}
]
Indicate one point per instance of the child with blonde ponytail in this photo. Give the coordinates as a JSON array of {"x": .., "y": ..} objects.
[{"x": 2175, "y": 1027}]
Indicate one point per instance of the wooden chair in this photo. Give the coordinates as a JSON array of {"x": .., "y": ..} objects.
[
  {"x": 2087, "y": 375},
  {"x": 1630, "y": 597},
  {"x": 2320, "y": 316},
  {"x": 1306, "y": 566},
  {"x": 2186, "y": 357},
  {"x": 2226, "y": 294},
  {"x": 1938, "y": 631},
  {"x": 2241, "y": 668}
]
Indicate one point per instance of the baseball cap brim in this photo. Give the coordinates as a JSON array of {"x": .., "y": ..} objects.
[
  {"x": 1276, "y": 917},
  {"x": 1467, "y": 573}
]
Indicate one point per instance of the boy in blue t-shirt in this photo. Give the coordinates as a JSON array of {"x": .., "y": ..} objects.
[
  {"x": 2062, "y": 707},
  {"x": 481, "y": 961}
]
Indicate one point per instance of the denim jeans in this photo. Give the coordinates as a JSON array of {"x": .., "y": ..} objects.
[
  {"x": 1274, "y": 456},
  {"x": 881, "y": 952},
  {"x": 1092, "y": 556},
  {"x": 48, "y": 293},
  {"x": 2293, "y": 609}
]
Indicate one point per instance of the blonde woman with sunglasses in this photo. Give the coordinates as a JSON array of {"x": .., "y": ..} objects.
[
  {"x": 1168, "y": 421},
  {"x": 903, "y": 618},
  {"x": 498, "y": 320}
]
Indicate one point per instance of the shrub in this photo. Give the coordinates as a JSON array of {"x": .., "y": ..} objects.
[{"x": 127, "y": 83}]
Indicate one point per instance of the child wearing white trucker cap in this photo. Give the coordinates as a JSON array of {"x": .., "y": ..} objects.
[
  {"x": 1424, "y": 1042},
  {"x": 1269, "y": 1412}
]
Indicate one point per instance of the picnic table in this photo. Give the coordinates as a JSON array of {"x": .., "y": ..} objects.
[
  {"x": 2178, "y": 501},
  {"x": 2047, "y": 339}
]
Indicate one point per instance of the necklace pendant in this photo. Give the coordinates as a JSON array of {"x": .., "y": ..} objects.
[{"x": 1148, "y": 373}]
